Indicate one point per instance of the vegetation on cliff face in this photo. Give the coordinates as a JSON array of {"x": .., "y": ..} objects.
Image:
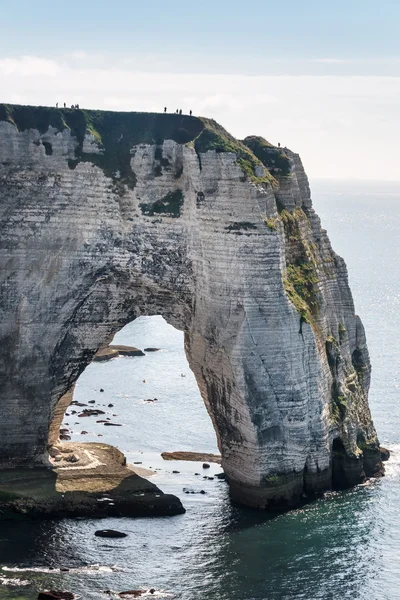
[
  {"x": 214, "y": 137},
  {"x": 301, "y": 264},
  {"x": 116, "y": 133},
  {"x": 274, "y": 159}
]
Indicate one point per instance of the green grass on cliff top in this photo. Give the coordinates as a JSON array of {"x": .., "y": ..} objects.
[
  {"x": 117, "y": 132},
  {"x": 273, "y": 158}
]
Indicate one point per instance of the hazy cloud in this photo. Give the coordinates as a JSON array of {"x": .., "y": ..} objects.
[{"x": 343, "y": 126}]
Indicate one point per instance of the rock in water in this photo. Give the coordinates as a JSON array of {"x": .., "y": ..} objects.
[
  {"x": 127, "y": 350},
  {"x": 192, "y": 456},
  {"x": 106, "y": 354},
  {"x": 385, "y": 453},
  {"x": 231, "y": 252},
  {"x": 56, "y": 595},
  {"x": 110, "y": 533}
]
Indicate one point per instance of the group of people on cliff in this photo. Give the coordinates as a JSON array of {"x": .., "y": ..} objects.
[
  {"x": 179, "y": 111},
  {"x": 72, "y": 105}
]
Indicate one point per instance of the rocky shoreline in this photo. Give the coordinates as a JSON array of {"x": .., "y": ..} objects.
[{"x": 88, "y": 480}]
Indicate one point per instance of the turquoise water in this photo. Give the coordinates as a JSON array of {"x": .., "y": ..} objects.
[{"x": 344, "y": 546}]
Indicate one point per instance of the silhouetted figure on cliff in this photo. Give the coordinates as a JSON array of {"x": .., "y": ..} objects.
[
  {"x": 190, "y": 112},
  {"x": 56, "y": 104},
  {"x": 65, "y": 106},
  {"x": 177, "y": 110},
  {"x": 180, "y": 112},
  {"x": 165, "y": 109}
]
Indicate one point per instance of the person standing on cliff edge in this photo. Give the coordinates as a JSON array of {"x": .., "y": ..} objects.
[{"x": 165, "y": 109}]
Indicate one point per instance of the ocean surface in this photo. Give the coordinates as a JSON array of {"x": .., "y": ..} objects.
[{"x": 345, "y": 546}]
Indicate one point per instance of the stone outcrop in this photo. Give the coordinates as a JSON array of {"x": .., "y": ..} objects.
[
  {"x": 192, "y": 456},
  {"x": 108, "y": 216},
  {"x": 112, "y": 351},
  {"x": 85, "y": 480}
]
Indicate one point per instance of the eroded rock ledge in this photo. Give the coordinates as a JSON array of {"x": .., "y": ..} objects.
[
  {"x": 107, "y": 216},
  {"x": 86, "y": 480}
]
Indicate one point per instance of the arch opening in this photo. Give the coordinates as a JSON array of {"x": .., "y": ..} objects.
[{"x": 144, "y": 401}]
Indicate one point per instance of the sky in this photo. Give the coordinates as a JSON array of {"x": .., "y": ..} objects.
[{"x": 322, "y": 78}]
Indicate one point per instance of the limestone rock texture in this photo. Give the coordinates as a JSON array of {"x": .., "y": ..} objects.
[{"x": 108, "y": 216}]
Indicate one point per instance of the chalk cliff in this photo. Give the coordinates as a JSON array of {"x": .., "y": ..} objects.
[{"x": 108, "y": 216}]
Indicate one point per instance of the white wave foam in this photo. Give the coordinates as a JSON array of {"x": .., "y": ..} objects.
[
  {"x": 13, "y": 582},
  {"x": 88, "y": 570}
]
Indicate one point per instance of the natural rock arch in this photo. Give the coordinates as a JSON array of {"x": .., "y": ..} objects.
[{"x": 108, "y": 216}]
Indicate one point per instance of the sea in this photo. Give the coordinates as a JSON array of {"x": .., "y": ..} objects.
[{"x": 343, "y": 546}]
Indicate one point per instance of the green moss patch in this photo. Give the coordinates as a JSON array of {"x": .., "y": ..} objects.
[
  {"x": 215, "y": 137},
  {"x": 342, "y": 333},
  {"x": 168, "y": 206},
  {"x": 274, "y": 479},
  {"x": 270, "y": 222},
  {"x": 301, "y": 279},
  {"x": 274, "y": 159},
  {"x": 340, "y": 403},
  {"x": 301, "y": 273}
]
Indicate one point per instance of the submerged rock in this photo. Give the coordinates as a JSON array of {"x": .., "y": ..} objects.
[{"x": 56, "y": 595}]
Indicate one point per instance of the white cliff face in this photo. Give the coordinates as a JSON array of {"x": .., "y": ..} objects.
[{"x": 193, "y": 240}]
